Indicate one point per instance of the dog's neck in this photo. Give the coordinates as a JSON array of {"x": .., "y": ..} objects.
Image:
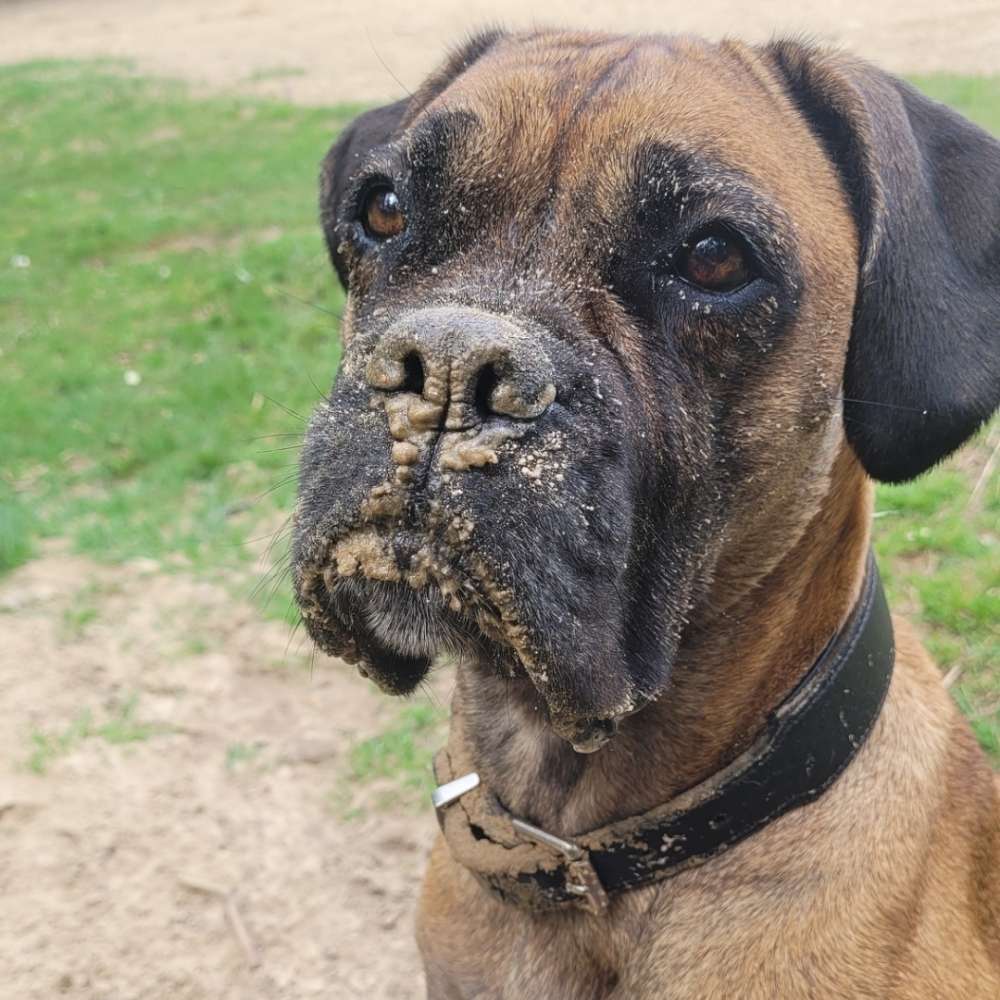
[{"x": 728, "y": 675}]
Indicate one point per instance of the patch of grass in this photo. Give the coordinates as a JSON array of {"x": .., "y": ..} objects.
[
  {"x": 154, "y": 259},
  {"x": 195, "y": 645},
  {"x": 75, "y": 620},
  {"x": 275, "y": 73},
  {"x": 238, "y": 754},
  {"x": 81, "y": 613},
  {"x": 403, "y": 752},
  {"x": 17, "y": 527},
  {"x": 397, "y": 762},
  {"x": 939, "y": 549},
  {"x": 121, "y": 726},
  {"x": 48, "y": 746},
  {"x": 149, "y": 250}
]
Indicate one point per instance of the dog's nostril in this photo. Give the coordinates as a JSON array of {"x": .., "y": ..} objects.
[
  {"x": 467, "y": 366},
  {"x": 486, "y": 381},
  {"x": 413, "y": 374}
]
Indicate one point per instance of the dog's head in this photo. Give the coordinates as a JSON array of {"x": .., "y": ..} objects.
[{"x": 612, "y": 304}]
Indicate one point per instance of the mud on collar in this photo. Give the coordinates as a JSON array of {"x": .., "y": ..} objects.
[{"x": 806, "y": 743}]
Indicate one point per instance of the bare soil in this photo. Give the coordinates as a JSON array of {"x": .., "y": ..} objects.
[
  {"x": 210, "y": 859},
  {"x": 322, "y": 51}
]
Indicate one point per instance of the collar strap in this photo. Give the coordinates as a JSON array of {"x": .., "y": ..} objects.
[{"x": 807, "y": 742}]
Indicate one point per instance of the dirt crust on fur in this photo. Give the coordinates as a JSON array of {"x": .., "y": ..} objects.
[{"x": 174, "y": 867}]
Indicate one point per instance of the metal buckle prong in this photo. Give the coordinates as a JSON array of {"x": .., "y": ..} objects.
[
  {"x": 540, "y": 836},
  {"x": 587, "y": 883},
  {"x": 447, "y": 793}
]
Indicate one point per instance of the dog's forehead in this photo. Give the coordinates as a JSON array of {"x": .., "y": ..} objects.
[{"x": 575, "y": 108}]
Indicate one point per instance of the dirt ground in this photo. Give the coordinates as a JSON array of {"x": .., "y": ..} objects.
[
  {"x": 208, "y": 860},
  {"x": 118, "y": 861},
  {"x": 321, "y": 51}
]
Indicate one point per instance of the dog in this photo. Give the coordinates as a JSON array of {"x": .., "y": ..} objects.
[{"x": 632, "y": 324}]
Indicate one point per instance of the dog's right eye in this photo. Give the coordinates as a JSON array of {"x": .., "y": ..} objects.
[
  {"x": 715, "y": 260},
  {"x": 382, "y": 214}
]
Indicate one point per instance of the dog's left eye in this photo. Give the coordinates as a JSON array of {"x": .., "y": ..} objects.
[
  {"x": 382, "y": 214},
  {"x": 716, "y": 261}
]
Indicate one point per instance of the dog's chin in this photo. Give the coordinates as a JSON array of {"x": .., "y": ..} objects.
[
  {"x": 394, "y": 604},
  {"x": 408, "y": 622},
  {"x": 395, "y": 632}
]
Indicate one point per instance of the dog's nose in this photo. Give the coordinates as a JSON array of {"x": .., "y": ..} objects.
[{"x": 468, "y": 365}]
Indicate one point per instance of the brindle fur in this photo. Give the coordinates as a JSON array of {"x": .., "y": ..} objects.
[{"x": 746, "y": 545}]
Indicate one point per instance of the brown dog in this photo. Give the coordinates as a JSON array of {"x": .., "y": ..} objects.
[{"x": 631, "y": 323}]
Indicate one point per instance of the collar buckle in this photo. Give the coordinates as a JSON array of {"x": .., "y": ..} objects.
[
  {"x": 451, "y": 791},
  {"x": 805, "y": 745},
  {"x": 582, "y": 879}
]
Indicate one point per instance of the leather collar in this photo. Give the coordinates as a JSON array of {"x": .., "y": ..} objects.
[{"x": 807, "y": 742}]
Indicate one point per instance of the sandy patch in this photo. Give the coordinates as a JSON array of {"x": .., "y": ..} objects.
[
  {"x": 109, "y": 860},
  {"x": 321, "y": 51}
]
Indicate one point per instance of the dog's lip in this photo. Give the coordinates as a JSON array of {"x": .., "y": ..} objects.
[
  {"x": 488, "y": 605},
  {"x": 591, "y": 735},
  {"x": 409, "y": 557}
]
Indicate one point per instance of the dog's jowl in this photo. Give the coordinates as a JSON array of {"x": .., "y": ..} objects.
[{"x": 632, "y": 324}]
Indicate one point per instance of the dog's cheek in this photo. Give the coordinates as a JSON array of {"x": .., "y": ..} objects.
[
  {"x": 548, "y": 534},
  {"x": 345, "y": 459}
]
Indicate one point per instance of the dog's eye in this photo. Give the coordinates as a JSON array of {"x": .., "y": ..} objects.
[
  {"x": 716, "y": 261},
  {"x": 382, "y": 214}
]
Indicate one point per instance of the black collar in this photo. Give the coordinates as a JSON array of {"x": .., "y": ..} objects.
[{"x": 808, "y": 740}]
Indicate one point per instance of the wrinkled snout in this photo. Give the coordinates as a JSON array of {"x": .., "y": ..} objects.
[
  {"x": 456, "y": 497},
  {"x": 464, "y": 366}
]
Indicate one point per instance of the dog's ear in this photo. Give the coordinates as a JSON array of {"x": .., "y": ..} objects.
[
  {"x": 379, "y": 126},
  {"x": 367, "y": 132},
  {"x": 923, "y": 364}
]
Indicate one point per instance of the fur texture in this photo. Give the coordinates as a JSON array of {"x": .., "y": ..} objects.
[{"x": 645, "y": 560}]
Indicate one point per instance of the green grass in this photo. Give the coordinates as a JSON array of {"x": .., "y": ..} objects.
[
  {"x": 401, "y": 751},
  {"x": 239, "y": 754},
  {"x": 398, "y": 760},
  {"x": 17, "y": 528},
  {"x": 120, "y": 726},
  {"x": 155, "y": 255},
  {"x": 976, "y": 97},
  {"x": 939, "y": 549},
  {"x": 149, "y": 248}
]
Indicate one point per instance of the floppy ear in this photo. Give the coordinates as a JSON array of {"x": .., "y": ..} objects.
[
  {"x": 367, "y": 131},
  {"x": 923, "y": 364},
  {"x": 379, "y": 126}
]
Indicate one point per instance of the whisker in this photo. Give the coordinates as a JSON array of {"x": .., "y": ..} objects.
[
  {"x": 323, "y": 394},
  {"x": 263, "y": 581},
  {"x": 282, "y": 434},
  {"x": 280, "y": 535},
  {"x": 284, "y": 481},
  {"x": 409, "y": 93},
  {"x": 287, "y": 409},
  {"x": 860, "y": 423},
  {"x": 285, "y": 562},
  {"x": 292, "y": 630},
  {"x": 277, "y": 583},
  {"x": 260, "y": 538},
  {"x": 312, "y": 305},
  {"x": 276, "y": 451},
  {"x": 888, "y": 406}
]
